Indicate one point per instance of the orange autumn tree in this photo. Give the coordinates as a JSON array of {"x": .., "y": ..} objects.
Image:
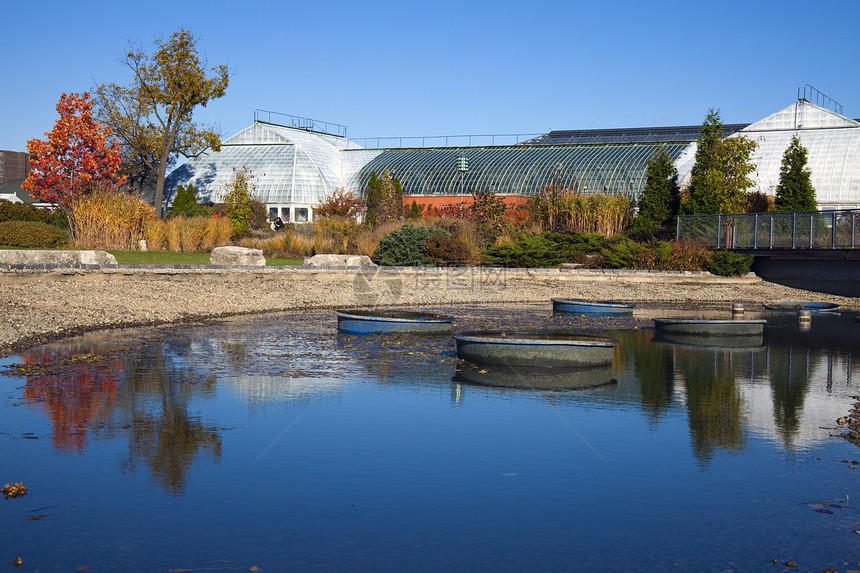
[{"x": 78, "y": 157}]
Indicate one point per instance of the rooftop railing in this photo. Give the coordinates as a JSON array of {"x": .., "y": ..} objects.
[
  {"x": 444, "y": 140},
  {"x": 836, "y": 229},
  {"x": 299, "y": 122}
]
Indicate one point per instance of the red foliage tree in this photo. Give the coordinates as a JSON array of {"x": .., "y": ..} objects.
[{"x": 77, "y": 157}]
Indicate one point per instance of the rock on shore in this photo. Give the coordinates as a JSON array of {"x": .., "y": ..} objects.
[{"x": 38, "y": 305}]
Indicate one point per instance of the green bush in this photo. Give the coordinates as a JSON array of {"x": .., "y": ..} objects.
[
  {"x": 405, "y": 247},
  {"x": 10, "y": 211},
  {"x": 620, "y": 252},
  {"x": 545, "y": 250},
  {"x": 32, "y": 235},
  {"x": 447, "y": 250},
  {"x": 729, "y": 264},
  {"x": 185, "y": 204}
]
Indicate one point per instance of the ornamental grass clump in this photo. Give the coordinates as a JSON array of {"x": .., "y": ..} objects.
[
  {"x": 109, "y": 220},
  {"x": 191, "y": 234},
  {"x": 155, "y": 235},
  {"x": 565, "y": 210},
  {"x": 173, "y": 234},
  {"x": 216, "y": 233}
]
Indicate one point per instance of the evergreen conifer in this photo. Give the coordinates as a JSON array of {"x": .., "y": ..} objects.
[{"x": 795, "y": 191}]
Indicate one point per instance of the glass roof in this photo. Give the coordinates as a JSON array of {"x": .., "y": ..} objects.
[
  {"x": 514, "y": 169},
  {"x": 679, "y": 134},
  {"x": 286, "y": 165}
]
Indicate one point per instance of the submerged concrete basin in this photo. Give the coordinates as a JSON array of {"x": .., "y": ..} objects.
[
  {"x": 591, "y": 306},
  {"x": 708, "y": 327},
  {"x": 540, "y": 349},
  {"x": 811, "y": 306},
  {"x": 364, "y": 321},
  {"x": 745, "y": 342}
]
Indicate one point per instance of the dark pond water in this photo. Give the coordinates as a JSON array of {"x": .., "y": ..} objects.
[{"x": 275, "y": 444}]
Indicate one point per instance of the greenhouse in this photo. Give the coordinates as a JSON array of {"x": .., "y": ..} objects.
[
  {"x": 290, "y": 169},
  {"x": 294, "y": 167},
  {"x": 831, "y": 140}
]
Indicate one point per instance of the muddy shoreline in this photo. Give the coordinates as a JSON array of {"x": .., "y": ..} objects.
[{"x": 47, "y": 305}]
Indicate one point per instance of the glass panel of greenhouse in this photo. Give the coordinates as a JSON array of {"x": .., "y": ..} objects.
[
  {"x": 286, "y": 165},
  {"x": 510, "y": 170}
]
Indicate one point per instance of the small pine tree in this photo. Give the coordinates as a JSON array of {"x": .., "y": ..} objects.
[
  {"x": 372, "y": 196},
  {"x": 702, "y": 197},
  {"x": 184, "y": 202},
  {"x": 661, "y": 196},
  {"x": 721, "y": 176},
  {"x": 414, "y": 212},
  {"x": 795, "y": 191},
  {"x": 390, "y": 206},
  {"x": 398, "y": 196},
  {"x": 238, "y": 202},
  {"x": 178, "y": 199}
]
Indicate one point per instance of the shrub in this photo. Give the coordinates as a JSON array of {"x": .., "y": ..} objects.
[
  {"x": 619, "y": 252},
  {"x": 342, "y": 204},
  {"x": 545, "y": 250},
  {"x": 32, "y": 235},
  {"x": 729, "y": 264},
  {"x": 336, "y": 235},
  {"x": 10, "y": 211},
  {"x": 759, "y": 202},
  {"x": 447, "y": 250},
  {"x": 405, "y": 246},
  {"x": 672, "y": 256},
  {"x": 237, "y": 203}
]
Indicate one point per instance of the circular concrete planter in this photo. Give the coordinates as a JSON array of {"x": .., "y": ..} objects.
[
  {"x": 803, "y": 305},
  {"x": 360, "y": 321},
  {"x": 708, "y": 327},
  {"x": 521, "y": 378},
  {"x": 539, "y": 349},
  {"x": 591, "y": 307}
]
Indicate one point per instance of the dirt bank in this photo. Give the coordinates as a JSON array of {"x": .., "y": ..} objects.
[{"x": 37, "y": 306}]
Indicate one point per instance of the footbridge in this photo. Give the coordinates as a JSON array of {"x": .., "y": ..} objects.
[{"x": 812, "y": 250}]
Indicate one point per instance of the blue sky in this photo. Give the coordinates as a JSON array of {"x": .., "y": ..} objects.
[{"x": 448, "y": 68}]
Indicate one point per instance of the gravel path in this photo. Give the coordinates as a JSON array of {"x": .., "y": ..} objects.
[{"x": 38, "y": 306}]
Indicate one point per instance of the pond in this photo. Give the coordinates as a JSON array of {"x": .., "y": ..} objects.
[{"x": 274, "y": 443}]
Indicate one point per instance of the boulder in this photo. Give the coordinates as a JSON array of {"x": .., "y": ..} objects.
[
  {"x": 339, "y": 261},
  {"x": 57, "y": 257},
  {"x": 237, "y": 256}
]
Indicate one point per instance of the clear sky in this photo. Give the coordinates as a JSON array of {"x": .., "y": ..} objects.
[{"x": 414, "y": 68}]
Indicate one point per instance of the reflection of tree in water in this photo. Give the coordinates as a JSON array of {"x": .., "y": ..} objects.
[
  {"x": 654, "y": 370},
  {"x": 789, "y": 383},
  {"x": 76, "y": 395},
  {"x": 714, "y": 403},
  {"x": 163, "y": 435}
]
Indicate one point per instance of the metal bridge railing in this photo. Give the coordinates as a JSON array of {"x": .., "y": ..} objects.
[{"x": 837, "y": 229}]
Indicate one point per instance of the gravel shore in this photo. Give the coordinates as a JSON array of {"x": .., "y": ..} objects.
[{"x": 42, "y": 305}]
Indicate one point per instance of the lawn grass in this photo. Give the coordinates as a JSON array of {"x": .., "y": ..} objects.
[{"x": 173, "y": 258}]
